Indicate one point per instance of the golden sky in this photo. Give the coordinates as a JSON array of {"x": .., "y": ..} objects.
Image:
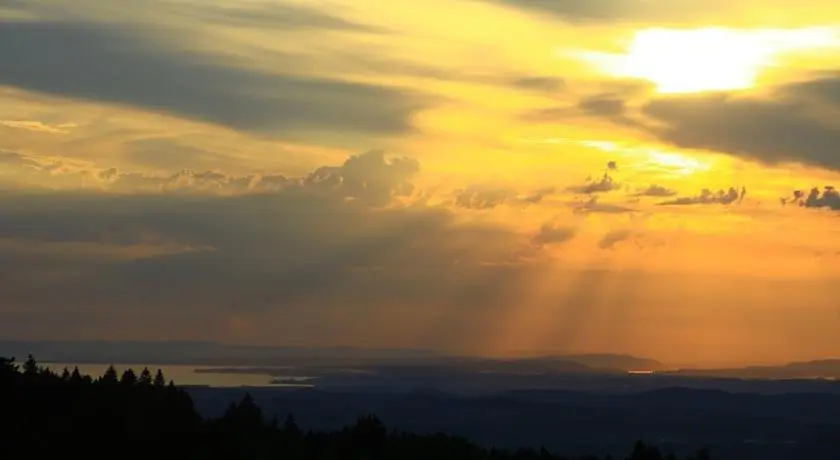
[{"x": 488, "y": 176}]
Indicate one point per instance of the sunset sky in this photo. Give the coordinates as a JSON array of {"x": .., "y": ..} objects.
[{"x": 489, "y": 176}]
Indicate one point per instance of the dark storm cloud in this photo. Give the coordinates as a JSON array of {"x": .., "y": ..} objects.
[{"x": 124, "y": 65}]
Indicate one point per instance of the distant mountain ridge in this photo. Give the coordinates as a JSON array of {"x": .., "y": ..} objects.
[
  {"x": 219, "y": 354},
  {"x": 197, "y": 353},
  {"x": 215, "y": 353},
  {"x": 821, "y": 368},
  {"x": 615, "y": 361}
]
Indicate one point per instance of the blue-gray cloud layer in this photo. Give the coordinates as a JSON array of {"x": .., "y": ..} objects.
[{"x": 144, "y": 67}]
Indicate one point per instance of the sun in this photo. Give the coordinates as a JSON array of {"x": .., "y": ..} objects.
[
  {"x": 702, "y": 60},
  {"x": 676, "y": 163},
  {"x": 707, "y": 59}
]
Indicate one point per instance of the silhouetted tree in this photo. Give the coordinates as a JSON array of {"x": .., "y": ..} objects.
[
  {"x": 160, "y": 380},
  {"x": 110, "y": 376},
  {"x": 247, "y": 414},
  {"x": 76, "y": 376},
  {"x": 291, "y": 428},
  {"x": 30, "y": 368},
  {"x": 703, "y": 454},
  {"x": 129, "y": 378},
  {"x": 642, "y": 451},
  {"x": 145, "y": 378},
  {"x": 8, "y": 369}
]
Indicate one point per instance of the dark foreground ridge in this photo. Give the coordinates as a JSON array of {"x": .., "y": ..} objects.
[{"x": 48, "y": 415}]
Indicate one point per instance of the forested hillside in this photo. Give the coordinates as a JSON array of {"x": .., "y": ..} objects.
[{"x": 47, "y": 414}]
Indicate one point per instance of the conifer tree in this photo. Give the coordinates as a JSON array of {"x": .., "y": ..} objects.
[
  {"x": 160, "y": 380},
  {"x": 110, "y": 376},
  {"x": 129, "y": 378},
  {"x": 145, "y": 377},
  {"x": 30, "y": 367},
  {"x": 76, "y": 376}
]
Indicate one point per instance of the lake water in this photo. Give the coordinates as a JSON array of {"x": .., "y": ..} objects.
[{"x": 181, "y": 374}]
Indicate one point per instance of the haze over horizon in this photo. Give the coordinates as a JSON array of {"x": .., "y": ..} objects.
[
  {"x": 484, "y": 177},
  {"x": 129, "y": 351}
]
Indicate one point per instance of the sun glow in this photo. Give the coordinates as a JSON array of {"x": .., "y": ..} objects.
[
  {"x": 708, "y": 59},
  {"x": 678, "y": 164}
]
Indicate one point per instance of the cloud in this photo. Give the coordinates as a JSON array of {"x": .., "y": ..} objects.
[
  {"x": 30, "y": 171},
  {"x": 157, "y": 151},
  {"x": 611, "y": 107},
  {"x": 609, "y": 10},
  {"x": 614, "y": 237},
  {"x": 18, "y": 160},
  {"x": 37, "y": 126},
  {"x": 659, "y": 12},
  {"x": 308, "y": 259},
  {"x": 593, "y": 205},
  {"x": 792, "y": 123},
  {"x": 539, "y": 84},
  {"x": 248, "y": 15},
  {"x": 320, "y": 258},
  {"x": 707, "y": 196},
  {"x": 656, "y": 191},
  {"x": 366, "y": 181},
  {"x": 272, "y": 15},
  {"x": 476, "y": 197},
  {"x": 369, "y": 178},
  {"x": 828, "y": 198},
  {"x": 552, "y": 234},
  {"x": 767, "y": 130},
  {"x": 130, "y": 65},
  {"x": 606, "y": 105},
  {"x": 323, "y": 247},
  {"x": 537, "y": 196},
  {"x": 489, "y": 197},
  {"x": 601, "y": 185}
]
